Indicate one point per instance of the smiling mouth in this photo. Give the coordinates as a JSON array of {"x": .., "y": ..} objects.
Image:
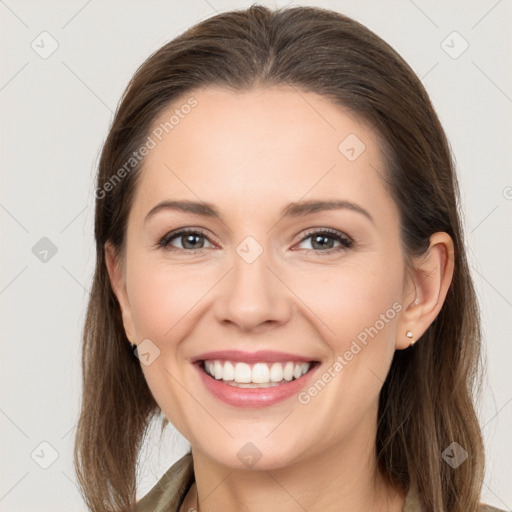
[{"x": 258, "y": 375}]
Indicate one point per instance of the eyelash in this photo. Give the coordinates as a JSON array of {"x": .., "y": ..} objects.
[{"x": 345, "y": 241}]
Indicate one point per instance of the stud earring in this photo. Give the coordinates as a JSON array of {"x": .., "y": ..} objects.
[{"x": 409, "y": 335}]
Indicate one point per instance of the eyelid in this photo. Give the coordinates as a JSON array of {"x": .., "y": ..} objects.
[
  {"x": 332, "y": 233},
  {"x": 165, "y": 240}
]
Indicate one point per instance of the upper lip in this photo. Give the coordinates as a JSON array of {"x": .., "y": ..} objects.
[{"x": 251, "y": 357}]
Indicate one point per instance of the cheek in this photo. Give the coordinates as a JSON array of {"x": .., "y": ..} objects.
[
  {"x": 358, "y": 308},
  {"x": 357, "y": 311},
  {"x": 354, "y": 302},
  {"x": 162, "y": 301},
  {"x": 161, "y": 298}
]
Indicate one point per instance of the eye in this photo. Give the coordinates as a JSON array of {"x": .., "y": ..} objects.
[
  {"x": 190, "y": 240},
  {"x": 325, "y": 239}
]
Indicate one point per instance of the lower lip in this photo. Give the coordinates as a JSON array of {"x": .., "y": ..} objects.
[{"x": 253, "y": 397}]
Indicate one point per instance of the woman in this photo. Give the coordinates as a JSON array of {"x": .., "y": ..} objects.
[{"x": 281, "y": 274}]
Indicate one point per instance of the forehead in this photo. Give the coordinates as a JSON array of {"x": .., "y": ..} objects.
[{"x": 260, "y": 148}]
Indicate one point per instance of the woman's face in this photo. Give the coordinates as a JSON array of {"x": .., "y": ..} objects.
[{"x": 269, "y": 280}]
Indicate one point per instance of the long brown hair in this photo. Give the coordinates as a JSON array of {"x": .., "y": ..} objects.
[{"x": 427, "y": 400}]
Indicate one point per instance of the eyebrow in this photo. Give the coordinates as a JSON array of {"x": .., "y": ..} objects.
[{"x": 298, "y": 209}]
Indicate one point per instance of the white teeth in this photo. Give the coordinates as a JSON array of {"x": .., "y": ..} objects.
[
  {"x": 276, "y": 372},
  {"x": 228, "y": 371},
  {"x": 242, "y": 372},
  {"x": 257, "y": 375},
  {"x": 260, "y": 373},
  {"x": 218, "y": 370},
  {"x": 288, "y": 371}
]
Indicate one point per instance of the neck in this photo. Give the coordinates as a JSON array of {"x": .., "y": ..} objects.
[{"x": 343, "y": 478}]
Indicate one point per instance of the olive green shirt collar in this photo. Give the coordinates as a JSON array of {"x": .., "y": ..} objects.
[{"x": 169, "y": 492}]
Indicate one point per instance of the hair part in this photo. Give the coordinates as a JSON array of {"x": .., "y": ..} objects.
[{"x": 427, "y": 400}]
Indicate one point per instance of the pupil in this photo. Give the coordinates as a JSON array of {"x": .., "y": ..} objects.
[
  {"x": 324, "y": 239},
  {"x": 190, "y": 238}
]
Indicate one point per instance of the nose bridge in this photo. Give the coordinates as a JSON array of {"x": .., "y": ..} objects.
[{"x": 252, "y": 294}]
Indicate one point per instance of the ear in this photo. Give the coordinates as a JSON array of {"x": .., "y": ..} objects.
[
  {"x": 118, "y": 283},
  {"x": 426, "y": 289}
]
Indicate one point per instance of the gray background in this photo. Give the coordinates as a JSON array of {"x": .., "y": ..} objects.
[{"x": 54, "y": 115}]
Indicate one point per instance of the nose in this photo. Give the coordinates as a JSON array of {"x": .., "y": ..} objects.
[{"x": 252, "y": 296}]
